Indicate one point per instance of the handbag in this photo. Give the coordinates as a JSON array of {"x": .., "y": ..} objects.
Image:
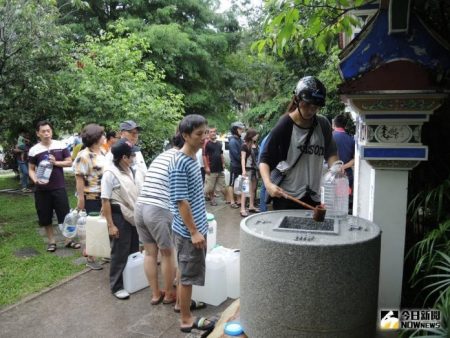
[{"x": 277, "y": 176}]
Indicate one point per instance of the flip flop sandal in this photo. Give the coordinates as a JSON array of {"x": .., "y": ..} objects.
[
  {"x": 244, "y": 214},
  {"x": 159, "y": 300},
  {"x": 213, "y": 204},
  {"x": 51, "y": 247},
  {"x": 201, "y": 323},
  {"x": 195, "y": 305},
  {"x": 73, "y": 245},
  {"x": 169, "y": 301},
  {"x": 235, "y": 206},
  {"x": 254, "y": 210}
]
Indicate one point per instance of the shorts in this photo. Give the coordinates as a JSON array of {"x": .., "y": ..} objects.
[
  {"x": 252, "y": 174},
  {"x": 48, "y": 200},
  {"x": 154, "y": 225},
  {"x": 234, "y": 173},
  {"x": 191, "y": 261},
  {"x": 215, "y": 182}
]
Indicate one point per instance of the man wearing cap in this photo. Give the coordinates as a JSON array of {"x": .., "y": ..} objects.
[
  {"x": 130, "y": 130},
  {"x": 119, "y": 194}
]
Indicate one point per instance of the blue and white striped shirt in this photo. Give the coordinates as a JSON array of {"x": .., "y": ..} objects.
[{"x": 185, "y": 181}]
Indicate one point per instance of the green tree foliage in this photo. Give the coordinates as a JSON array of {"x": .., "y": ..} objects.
[
  {"x": 110, "y": 81},
  {"x": 30, "y": 53}
]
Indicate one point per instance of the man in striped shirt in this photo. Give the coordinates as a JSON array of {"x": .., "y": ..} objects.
[
  {"x": 189, "y": 222},
  {"x": 154, "y": 224}
]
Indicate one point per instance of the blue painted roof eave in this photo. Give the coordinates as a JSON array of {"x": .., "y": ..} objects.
[{"x": 374, "y": 47}]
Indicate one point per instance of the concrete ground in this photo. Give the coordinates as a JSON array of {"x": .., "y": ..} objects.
[{"x": 82, "y": 305}]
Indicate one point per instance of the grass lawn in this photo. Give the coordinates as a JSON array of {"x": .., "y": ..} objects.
[{"x": 20, "y": 277}]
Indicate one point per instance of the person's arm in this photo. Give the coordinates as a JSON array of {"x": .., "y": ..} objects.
[
  {"x": 32, "y": 172},
  {"x": 79, "y": 185},
  {"x": 67, "y": 162},
  {"x": 349, "y": 164},
  {"x": 198, "y": 240},
  {"x": 206, "y": 162},
  {"x": 106, "y": 193},
  {"x": 223, "y": 161},
  {"x": 243, "y": 160},
  {"x": 272, "y": 189},
  {"x": 106, "y": 208}
]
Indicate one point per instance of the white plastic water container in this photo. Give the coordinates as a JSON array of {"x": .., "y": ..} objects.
[
  {"x": 44, "y": 170},
  {"x": 335, "y": 191},
  {"x": 227, "y": 176},
  {"x": 214, "y": 292},
  {"x": 245, "y": 186},
  {"x": 211, "y": 238},
  {"x": 134, "y": 278},
  {"x": 231, "y": 259},
  {"x": 97, "y": 237}
]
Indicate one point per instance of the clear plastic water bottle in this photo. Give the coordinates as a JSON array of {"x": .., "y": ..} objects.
[
  {"x": 334, "y": 191},
  {"x": 245, "y": 186},
  {"x": 44, "y": 170},
  {"x": 70, "y": 224},
  {"x": 81, "y": 225}
]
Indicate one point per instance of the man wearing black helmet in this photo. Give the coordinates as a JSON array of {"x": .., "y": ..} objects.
[
  {"x": 237, "y": 128},
  {"x": 297, "y": 146}
]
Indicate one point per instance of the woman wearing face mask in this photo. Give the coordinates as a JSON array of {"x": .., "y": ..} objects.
[
  {"x": 249, "y": 155},
  {"x": 119, "y": 195},
  {"x": 297, "y": 146}
]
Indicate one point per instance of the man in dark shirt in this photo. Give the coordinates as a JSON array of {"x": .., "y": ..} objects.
[
  {"x": 51, "y": 196},
  {"x": 237, "y": 128},
  {"x": 214, "y": 166},
  {"x": 346, "y": 146}
]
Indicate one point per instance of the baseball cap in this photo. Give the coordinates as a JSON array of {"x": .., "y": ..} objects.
[
  {"x": 123, "y": 147},
  {"x": 129, "y": 125}
]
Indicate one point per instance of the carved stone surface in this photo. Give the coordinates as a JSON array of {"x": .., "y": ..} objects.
[
  {"x": 397, "y": 105},
  {"x": 393, "y": 164}
]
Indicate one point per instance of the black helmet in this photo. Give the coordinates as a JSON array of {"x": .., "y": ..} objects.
[
  {"x": 311, "y": 90},
  {"x": 235, "y": 126}
]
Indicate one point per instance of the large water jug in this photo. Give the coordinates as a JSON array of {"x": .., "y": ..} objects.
[
  {"x": 214, "y": 292},
  {"x": 211, "y": 239},
  {"x": 81, "y": 226},
  {"x": 70, "y": 224},
  {"x": 231, "y": 259},
  {"x": 44, "y": 170},
  {"x": 237, "y": 187},
  {"x": 334, "y": 192},
  {"x": 97, "y": 237},
  {"x": 133, "y": 275}
]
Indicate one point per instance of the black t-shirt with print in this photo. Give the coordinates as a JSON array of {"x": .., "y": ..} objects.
[{"x": 213, "y": 151}]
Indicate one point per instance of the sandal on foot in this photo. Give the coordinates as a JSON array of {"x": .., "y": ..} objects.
[
  {"x": 214, "y": 203},
  {"x": 73, "y": 245},
  {"x": 195, "y": 305},
  {"x": 254, "y": 210},
  {"x": 201, "y": 323},
  {"x": 159, "y": 300},
  {"x": 169, "y": 301},
  {"x": 235, "y": 206},
  {"x": 51, "y": 247},
  {"x": 244, "y": 214}
]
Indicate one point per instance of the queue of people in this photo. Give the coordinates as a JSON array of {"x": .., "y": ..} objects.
[{"x": 164, "y": 206}]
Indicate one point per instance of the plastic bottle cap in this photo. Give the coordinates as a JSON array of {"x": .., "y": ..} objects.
[
  {"x": 209, "y": 217},
  {"x": 233, "y": 329}
]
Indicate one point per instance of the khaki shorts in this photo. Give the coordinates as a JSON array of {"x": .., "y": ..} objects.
[
  {"x": 215, "y": 182},
  {"x": 191, "y": 261},
  {"x": 154, "y": 225}
]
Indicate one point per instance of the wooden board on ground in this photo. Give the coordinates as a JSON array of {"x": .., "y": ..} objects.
[{"x": 231, "y": 313}]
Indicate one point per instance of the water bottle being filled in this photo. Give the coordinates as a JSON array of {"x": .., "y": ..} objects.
[
  {"x": 334, "y": 192},
  {"x": 81, "y": 225},
  {"x": 44, "y": 170}
]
